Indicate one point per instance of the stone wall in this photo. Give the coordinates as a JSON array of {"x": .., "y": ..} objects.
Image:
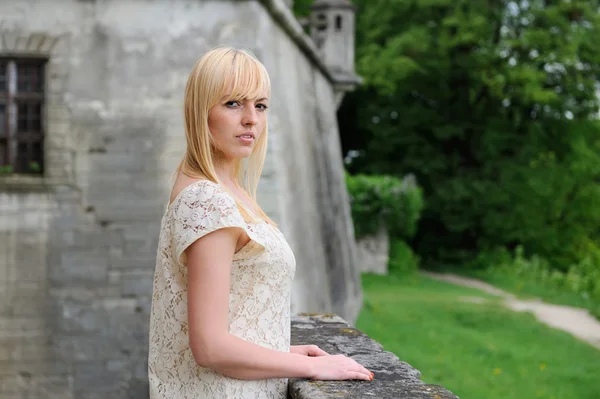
[
  {"x": 77, "y": 246},
  {"x": 372, "y": 252},
  {"x": 393, "y": 378}
]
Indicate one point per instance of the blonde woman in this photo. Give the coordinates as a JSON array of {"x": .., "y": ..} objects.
[{"x": 220, "y": 320}]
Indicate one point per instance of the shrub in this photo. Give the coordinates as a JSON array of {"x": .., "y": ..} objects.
[
  {"x": 376, "y": 200},
  {"x": 582, "y": 278},
  {"x": 403, "y": 259}
]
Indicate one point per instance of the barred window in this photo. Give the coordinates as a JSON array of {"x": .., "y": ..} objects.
[{"x": 21, "y": 112}]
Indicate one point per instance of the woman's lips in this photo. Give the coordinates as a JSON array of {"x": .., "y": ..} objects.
[{"x": 246, "y": 138}]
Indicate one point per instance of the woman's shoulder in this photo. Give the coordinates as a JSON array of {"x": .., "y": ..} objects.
[{"x": 201, "y": 192}]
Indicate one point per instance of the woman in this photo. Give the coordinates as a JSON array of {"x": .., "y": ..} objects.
[{"x": 220, "y": 320}]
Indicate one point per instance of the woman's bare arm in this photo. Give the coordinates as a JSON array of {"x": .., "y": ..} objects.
[{"x": 209, "y": 266}]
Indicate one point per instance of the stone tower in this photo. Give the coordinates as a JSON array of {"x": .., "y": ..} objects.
[{"x": 332, "y": 29}]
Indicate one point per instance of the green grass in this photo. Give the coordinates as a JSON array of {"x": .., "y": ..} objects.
[
  {"x": 478, "y": 351},
  {"x": 530, "y": 288}
]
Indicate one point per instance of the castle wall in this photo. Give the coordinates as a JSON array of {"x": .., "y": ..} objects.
[{"x": 77, "y": 247}]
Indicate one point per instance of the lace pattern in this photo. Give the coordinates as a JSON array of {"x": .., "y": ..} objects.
[{"x": 259, "y": 297}]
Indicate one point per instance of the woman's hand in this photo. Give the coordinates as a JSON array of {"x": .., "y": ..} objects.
[
  {"x": 338, "y": 367},
  {"x": 308, "y": 350}
]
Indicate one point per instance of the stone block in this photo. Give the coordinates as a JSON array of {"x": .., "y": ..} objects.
[
  {"x": 32, "y": 265},
  {"x": 129, "y": 329},
  {"x": 58, "y": 113},
  {"x": 80, "y": 317},
  {"x": 10, "y": 41},
  {"x": 94, "y": 377},
  {"x": 35, "y": 368},
  {"x": 21, "y": 44},
  {"x": 35, "y": 42},
  {"x": 88, "y": 347},
  {"x": 141, "y": 238},
  {"x": 51, "y": 387},
  {"x": 11, "y": 387},
  {"x": 138, "y": 387},
  {"x": 9, "y": 350},
  {"x": 36, "y": 349},
  {"x": 393, "y": 378},
  {"x": 56, "y": 83},
  {"x": 28, "y": 304},
  {"x": 18, "y": 326},
  {"x": 80, "y": 267},
  {"x": 47, "y": 45},
  {"x": 133, "y": 261},
  {"x": 97, "y": 237},
  {"x": 110, "y": 163},
  {"x": 57, "y": 126},
  {"x": 138, "y": 284}
]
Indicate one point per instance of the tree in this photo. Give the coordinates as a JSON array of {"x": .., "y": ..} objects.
[{"x": 492, "y": 105}]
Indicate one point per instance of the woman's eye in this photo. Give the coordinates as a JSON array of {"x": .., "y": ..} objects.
[
  {"x": 262, "y": 107},
  {"x": 232, "y": 104}
]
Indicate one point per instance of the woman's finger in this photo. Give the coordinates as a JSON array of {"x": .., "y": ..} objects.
[
  {"x": 319, "y": 352},
  {"x": 355, "y": 375}
]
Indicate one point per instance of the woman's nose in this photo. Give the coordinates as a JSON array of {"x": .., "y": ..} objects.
[{"x": 250, "y": 116}]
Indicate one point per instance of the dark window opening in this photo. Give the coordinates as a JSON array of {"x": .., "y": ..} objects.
[
  {"x": 21, "y": 113},
  {"x": 321, "y": 22},
  {"x": 338, "y": 23}
]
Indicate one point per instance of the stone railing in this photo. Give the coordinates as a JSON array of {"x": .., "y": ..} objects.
[{"x": 393, "y": 378}]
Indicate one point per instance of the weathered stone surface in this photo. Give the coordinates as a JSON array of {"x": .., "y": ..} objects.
[
  {"x": 373, "y": 252},
  {"x": 393, "y": 378},
  {"x": 78, "y": 245}
]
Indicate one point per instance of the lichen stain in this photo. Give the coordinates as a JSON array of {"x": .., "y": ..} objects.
[
  {"x": 329, "y": 315},
  {"x": 349, "y": 331}
]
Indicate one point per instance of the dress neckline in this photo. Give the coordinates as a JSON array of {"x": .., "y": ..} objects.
[{"x": 183, "y": 190}]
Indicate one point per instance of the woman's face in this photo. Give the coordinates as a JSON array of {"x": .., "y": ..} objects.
[{"x": 236, "y": 125}]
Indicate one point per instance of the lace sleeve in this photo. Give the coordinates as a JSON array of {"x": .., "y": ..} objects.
[{"x": 202, "y": 208}]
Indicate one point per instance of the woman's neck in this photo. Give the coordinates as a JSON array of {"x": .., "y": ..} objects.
[{"x": 225, "y": 170}]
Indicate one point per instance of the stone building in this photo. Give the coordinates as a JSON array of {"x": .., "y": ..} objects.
[{"x": 91, "y": 130}]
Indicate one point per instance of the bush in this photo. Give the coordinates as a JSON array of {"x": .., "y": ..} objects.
[
  {"x": 377, "y": 200},
  {"x": 403, "y": 260}
]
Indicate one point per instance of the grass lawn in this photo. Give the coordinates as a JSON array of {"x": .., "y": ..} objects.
[{"x": 478, "y": 351}]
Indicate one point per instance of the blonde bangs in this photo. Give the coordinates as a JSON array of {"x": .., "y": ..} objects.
[{"x": 246, "y": 78}]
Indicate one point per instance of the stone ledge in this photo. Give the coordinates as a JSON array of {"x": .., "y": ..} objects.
[
  {"x": 22, "y": 183},
  {"x": 393, "y": 378}
]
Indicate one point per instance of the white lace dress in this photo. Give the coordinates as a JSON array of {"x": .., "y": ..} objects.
[{"x": 259, "y": 298}]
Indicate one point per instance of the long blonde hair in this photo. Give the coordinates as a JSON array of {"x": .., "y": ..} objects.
[{"x": 213, "y": 74}]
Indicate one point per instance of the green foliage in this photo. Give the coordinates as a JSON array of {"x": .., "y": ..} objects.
[
  {"x": 492, "y": 106},
  {"x": 35, "y": 167},
  {"x": 302, "y": 7},
  {"x": 377, "y": 200},
  {"x": 582, "y": 278},
  {"x": 6, "y": 169},
  {"x": 402, "y": 259}
]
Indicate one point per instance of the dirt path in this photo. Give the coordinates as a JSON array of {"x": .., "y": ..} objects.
[{"x": 575, "y": 321}]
